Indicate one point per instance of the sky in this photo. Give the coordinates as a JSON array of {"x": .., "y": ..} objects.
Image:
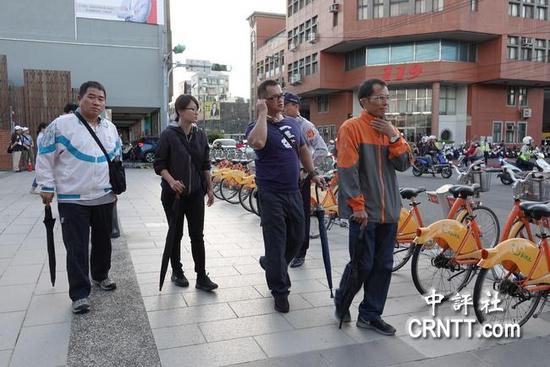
[{"x": 217, "y": 30}]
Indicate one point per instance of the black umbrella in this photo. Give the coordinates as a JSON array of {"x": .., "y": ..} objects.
[
  {"x": 170, "y": 239},
  {"x": 320, "y": 214},
  {"x": 49, "y": 222},
  {"x": 352, "y": 280}
]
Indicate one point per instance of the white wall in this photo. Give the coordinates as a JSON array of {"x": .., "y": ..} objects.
[{"x": 456, "y": 124}]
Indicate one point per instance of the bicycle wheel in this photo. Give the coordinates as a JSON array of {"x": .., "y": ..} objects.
[
  {"x": 487, "y": 222},
  {"x": 518, "y": 303},
  {"x": 432, "y": 267},
  {"x": 229, "y": 191},
  {"x": 402, "y": 252},
  {"x": 244, "y": 198},
  {"x": 254, "y": 201},
  {"x": 216, "y": 188}
]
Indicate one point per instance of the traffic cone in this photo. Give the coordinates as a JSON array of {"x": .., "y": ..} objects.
[{"x": 29, "y": 166}]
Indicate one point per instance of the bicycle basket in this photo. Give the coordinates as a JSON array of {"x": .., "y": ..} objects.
[{"x": 535, "y": 189}]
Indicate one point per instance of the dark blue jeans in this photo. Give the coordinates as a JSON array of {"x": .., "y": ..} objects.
[
  {"x": 282, "y": 220},
  {"x": 376, "y": 267}
]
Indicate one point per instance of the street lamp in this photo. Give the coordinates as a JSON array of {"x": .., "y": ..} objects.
[{"x": 167, "y": 68}]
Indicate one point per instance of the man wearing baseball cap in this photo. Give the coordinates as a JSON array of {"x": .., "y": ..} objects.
[{"x": 318, "y": 149}]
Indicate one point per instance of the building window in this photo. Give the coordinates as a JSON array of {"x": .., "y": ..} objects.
[
  {"x": 305, "y": 66},
  {"x": 322, "y": 103},
  {"x": 526, "y": 49},
  {"x": 398, "y": 7},
  {"x": 497, "y": 131},
  {"x": 528, "y": 11},
  {"x": 293, "y": 6},
  {"x": 510, "y": 127},
  {"x": 540, "y": 50},
  {"x": 522, "y": 130},
  {"x": 378, "y": 9},
  {"x": 522, "y": 96},
  {"x": 425, "y": 51},
  {"x": 378, "y": 55},
  {"x": 447, "y": 100},
  {"x": 356, "y": 58},
  {"x": 437, "y": 5},
  {"x": 511, "y": 96},
  {"x": 419, "y": 6},
  {"x": 362, "y": 9},
  {"x": 473, "y": 5},
  {"x": 513, "y": 48},
  {"x": 513, "y": 9},
  {"x": 402, "y": 53},
  {"x": 410, "y": 101}
]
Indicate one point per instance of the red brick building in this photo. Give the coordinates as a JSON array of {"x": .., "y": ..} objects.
[{"x": 457, "y": 69}]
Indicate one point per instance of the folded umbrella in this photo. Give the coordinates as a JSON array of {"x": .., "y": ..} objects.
[
  {"x": 170, "y": 239},
  {"x": 352, "y": 280},
  {"x": 49, "y": 222},
  {"x": 320, "y": 214}
]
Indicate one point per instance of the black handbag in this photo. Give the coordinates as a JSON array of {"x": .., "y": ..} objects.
[{"x": 117, "y": 176}]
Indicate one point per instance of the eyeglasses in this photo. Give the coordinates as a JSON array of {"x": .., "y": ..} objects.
[
  {"x": 380, "y": 98},
  {"x": 193, "y": 109},
  {"x": 275, "y": 97}
]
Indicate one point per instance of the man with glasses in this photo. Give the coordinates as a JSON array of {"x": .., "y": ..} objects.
[
  {"x": 280, "y": 148},
  {"x": 370, "y": 149},
  {"x": 318, "y": 150}
]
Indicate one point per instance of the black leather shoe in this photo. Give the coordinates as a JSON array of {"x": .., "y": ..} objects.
[
  {"x": 297, "y": 262},
  {"x": 379, "y": 326},
  {"x": 281, "y": 303},
  {"x": 180, "y": 281},
  {"x": 204, "y": 283}
]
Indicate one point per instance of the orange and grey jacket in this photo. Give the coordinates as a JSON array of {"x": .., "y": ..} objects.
[{"x": 366, "y": 167}]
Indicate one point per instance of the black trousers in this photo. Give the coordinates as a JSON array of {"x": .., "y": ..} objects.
[
  {"x": 306, "y": 202},
  {"x": 192, "y": 208},
  {"x": 76, "y": 221},
  {"x": 282, "y": 220}
]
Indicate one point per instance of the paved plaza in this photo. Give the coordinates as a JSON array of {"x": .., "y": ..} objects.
[{"x": 236, "y": 325}]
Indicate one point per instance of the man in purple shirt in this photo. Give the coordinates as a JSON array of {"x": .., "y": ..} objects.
[{"x": 280, "y": 148}]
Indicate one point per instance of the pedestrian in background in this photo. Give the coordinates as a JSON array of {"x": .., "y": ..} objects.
[
  {"x": 279, "y": 147},
  {"x": 80, "y": 177},
  {"x": 28, "y": 143},
  {"x": 182, "y": 159},
  {"x": 16, "y": 148},
  {"x": 370, "y": 150},
  {"x": 318, "y": 150},
  {"x": 39, "y": 135}
]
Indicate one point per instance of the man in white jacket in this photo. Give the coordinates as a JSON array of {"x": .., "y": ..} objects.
[{"x": 71, "y": 164}]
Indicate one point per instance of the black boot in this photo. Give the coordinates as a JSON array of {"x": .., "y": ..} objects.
[{"x": 204, "y": 283}]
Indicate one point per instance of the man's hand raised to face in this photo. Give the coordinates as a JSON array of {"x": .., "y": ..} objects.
[{"x": 384, "y": 127}]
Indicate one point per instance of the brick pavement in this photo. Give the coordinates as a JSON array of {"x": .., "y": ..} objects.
[{"x": 234, "y": 325}]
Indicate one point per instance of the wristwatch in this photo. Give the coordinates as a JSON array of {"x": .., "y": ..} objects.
[{"x": 394, "y": 139}]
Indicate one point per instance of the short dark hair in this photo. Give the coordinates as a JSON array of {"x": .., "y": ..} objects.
[
  {"x": 366, "y": 89},
  {"x": 41, "y": 126},
  {"x": 262, "y": 88},
  {"x": 91, "y": 84},
  {"x": 182, "y": 102},
  {"x": 70, "y": 107}
]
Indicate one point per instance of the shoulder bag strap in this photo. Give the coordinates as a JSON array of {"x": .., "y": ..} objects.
[{"x": 85, "y": 123}]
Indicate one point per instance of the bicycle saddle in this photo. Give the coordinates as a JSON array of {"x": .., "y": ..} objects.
[
  {"x": 409, "y": 193},
  {"x": 526, "y": 205},
  {"x": 464, "y": 191},
  {"x": 538, "y": 211}
]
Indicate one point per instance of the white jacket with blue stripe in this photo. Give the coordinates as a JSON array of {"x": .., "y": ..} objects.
[{"x": 71, "y": 163}]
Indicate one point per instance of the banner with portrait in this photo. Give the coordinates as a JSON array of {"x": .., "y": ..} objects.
[
  {"x": 137, "y": 11},
  {"x": 211, "y": 110}
]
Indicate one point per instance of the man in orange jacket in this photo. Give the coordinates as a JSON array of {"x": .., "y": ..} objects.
[{"x": 370, "y": 149}]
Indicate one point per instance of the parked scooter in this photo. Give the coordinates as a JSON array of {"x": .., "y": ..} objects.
[
  {"x": 505, "y": 178},
  {"x": 439, "y": 164}
]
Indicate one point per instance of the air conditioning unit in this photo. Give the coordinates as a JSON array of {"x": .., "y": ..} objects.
[
  {"x": 526, "y": 113},
  {"x": 295, "y": 78},
  {"x": 334, "y": 8},
  {"x": 292, "y": 47},
  {"x": 312, "y": 37}
]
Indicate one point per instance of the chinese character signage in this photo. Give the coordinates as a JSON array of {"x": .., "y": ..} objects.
[{"x": 138, "y": 11}]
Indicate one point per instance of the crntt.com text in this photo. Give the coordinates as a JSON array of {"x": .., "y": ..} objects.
[{"x": 456, "y": 328}]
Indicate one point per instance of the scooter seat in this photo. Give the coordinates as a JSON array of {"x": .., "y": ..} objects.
[
  {"x": 409, "y": 193},
  {"x": 464, "y": 191},
  {"x": 538, "y": 211}
]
